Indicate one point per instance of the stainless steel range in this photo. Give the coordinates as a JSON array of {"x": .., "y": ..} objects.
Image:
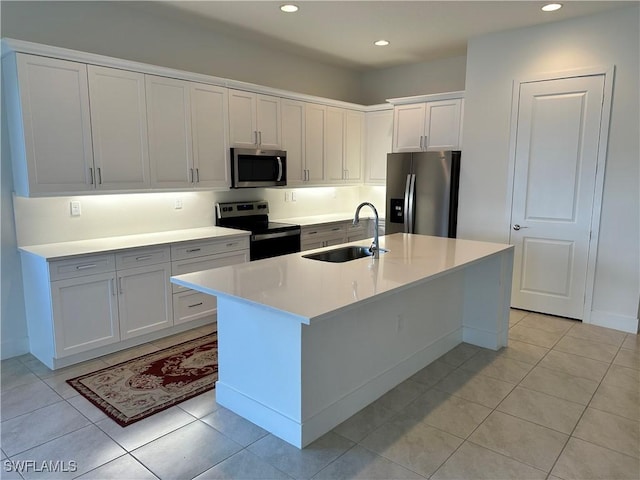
[{"x": 268, "y": 239}]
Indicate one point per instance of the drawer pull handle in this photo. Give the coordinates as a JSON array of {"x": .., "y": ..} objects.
[
  {"x": 191, "y": 250},
  {"x": 312, "y": 233},
  {"x": 335, "y": 229},
  {"x": 232, "y": 244},
  {"x": 196, "y": 304},
  {"x": 86, "y": 267},
  {"x": 144, "y": 257}
]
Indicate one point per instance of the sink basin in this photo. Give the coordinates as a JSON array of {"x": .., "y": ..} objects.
[{"x": 342, "y": 254}]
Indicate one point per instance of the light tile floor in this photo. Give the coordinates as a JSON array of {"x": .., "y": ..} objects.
[{"x": 560, "y": 402}]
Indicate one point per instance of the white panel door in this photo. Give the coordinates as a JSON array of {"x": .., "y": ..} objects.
[
  {"x": 379, "y": 142},
  {"x": 170, "y": 143},
  {"x": 334, "y": 144},
  {"x": 85, "y": 313},
  {"x": 408, "y": 127},
  {"x": 144, "y": 300},
  {"x": 209, "y": 114},
  {"x": 442, "y": 131},
  {"x": 268, "y": 121},
  {"x": 293, "y": 139},
  {"x": 243, "y": 131},
  {"x": 353, "y": 145},
  {"x": 54, "y": 97},
  {"x": 557, "y": 140},
  {"x": 314, "y": 132},
  {"x": 119, "y": 128}
]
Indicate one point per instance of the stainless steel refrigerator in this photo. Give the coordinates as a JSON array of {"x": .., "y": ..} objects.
[{"x": 422, "y": 193}]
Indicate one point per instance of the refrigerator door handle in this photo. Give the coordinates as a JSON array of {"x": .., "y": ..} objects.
[
  {"x": 407, "y": 203},
  {"x": 412, "y": 203}
]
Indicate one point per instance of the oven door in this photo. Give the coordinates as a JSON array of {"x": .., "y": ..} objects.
[
  {"x": 266, "y": 245},
  {"x": 258, "y": 168}
]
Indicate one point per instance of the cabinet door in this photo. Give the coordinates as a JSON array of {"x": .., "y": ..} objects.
[
  {"x": 49, "y": 125},
  {"x": 268, "y": 121},
  {"x": 443, "y": 125},
  {"x": 170, "y": 144},
  {"x": 243, "y": 131},
  {"x": 379, "y": 142},
  {"x": 209, "y": 114},
  {"x": 408, "y": 127},
  {"x": 314, "y": 145},
  {"x": 119, "y": 128},
  {"x": 144, "y": 300},
  {"x": 293, "y": 139},
  {"x": 353, "y": 145},
  {"x": 85, "y": 313},
  {"x": 334, "y": 144}
]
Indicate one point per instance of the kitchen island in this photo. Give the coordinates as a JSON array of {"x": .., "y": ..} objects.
[{"x": 305, "y": 344}]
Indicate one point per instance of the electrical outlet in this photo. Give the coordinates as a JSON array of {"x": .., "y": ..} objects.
[
  {"x": 293, "y": 196},
  {"x": 177, "y": 204},
  {"x": 76, "y": 210},
  {"x": 287, "y": 196}
]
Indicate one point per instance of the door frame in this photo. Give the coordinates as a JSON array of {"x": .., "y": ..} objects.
[{"x": 596, "y": 209}]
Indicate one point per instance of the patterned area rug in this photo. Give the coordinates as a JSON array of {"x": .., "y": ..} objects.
[{"x": 133, "y": 390}]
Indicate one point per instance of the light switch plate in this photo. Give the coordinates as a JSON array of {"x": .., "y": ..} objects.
[
  {"x": 177, "y": 204},
  {"x": 76, "y": 210}
]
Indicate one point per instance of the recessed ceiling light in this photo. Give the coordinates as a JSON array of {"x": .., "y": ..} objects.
[
  {"x": 289, "y": 8},
  {"x": 381, "y": 43},
  {"x": 552, "y": 7}
]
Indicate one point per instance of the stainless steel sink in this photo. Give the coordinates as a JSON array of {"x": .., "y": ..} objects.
[{"x": 342, "y": 254}]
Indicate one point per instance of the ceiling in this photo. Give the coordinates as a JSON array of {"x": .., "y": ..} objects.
[{"x": 342, "y": 32}]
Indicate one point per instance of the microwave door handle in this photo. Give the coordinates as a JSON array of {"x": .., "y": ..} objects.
[{"x": 279, "y": 169}]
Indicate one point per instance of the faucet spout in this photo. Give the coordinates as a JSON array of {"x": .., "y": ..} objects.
[{"x": 375, "y": 246}]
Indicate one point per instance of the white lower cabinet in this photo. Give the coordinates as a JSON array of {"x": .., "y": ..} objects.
[
  {"x": 84, "y": 306},
  {"x": 191, "y": 257},
  {"x": 144, "y": 300},
  {"x": 85, "y": 313}
]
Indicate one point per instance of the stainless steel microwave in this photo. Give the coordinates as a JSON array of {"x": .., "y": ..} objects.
[{"x": 258, "y": 168}]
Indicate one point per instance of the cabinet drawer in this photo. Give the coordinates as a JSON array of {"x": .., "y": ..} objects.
[
  {"x": 190, "y": 305},
  {"x": 206, "y": 263},
  {"x": 80, "y": 266},
  {"x": 143, "y": 256},
  {"x": 329, "y": 231},
  {"x": 184, "y": 250}
]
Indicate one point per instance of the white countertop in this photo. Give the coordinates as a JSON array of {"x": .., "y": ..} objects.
[
  {"x": 310, "y": 290},
  {"x": 56, "y": 251}
]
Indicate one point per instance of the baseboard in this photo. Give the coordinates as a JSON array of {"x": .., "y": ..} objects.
[
  {"x": 613, "y": 320},
  {"x": 14, "y": 348}
]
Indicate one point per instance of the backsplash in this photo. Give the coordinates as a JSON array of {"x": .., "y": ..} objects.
[{"x": 49, "y": 220}]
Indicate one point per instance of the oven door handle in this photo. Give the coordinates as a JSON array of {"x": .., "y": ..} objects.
[
  {"x": 279, "y": 169},
  {"x": 269, "y": 236}
]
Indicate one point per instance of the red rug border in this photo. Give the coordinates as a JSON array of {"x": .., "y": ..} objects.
[{"x": 110, "y": 411}]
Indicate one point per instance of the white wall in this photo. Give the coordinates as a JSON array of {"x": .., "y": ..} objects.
[
  {"x": 13, "y": 328},
  {"x": 493, "y": 62},
  {"x": 445, "y": 75},
  {"x": 114, "y": 29}
]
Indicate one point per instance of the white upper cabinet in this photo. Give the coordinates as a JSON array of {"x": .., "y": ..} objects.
[
  {"x": 293, "y": 140},
  {"x": 119, "y": 128},
  {"x": 187, "y": 134},
  {"x": 314, "y": 143},
  {"x": 344, "y": 145},
  {"x": 427, "y": 126},
  {"x": 379, "y": 141},
  {"x": 254, "y": 120},
  {"x": 47, "y": 104},
  {"x": 354, "y": 138},
  {"x": 169, "y": 120},
  {"x": 334, "y": 144},
  {"x": 209, "y": 114}
]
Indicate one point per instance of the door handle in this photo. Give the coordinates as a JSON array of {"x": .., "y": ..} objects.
[{"x": 517, "y": 227}]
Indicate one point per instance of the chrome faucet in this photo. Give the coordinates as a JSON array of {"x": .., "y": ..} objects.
[{"x": 375, "y": 246}]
